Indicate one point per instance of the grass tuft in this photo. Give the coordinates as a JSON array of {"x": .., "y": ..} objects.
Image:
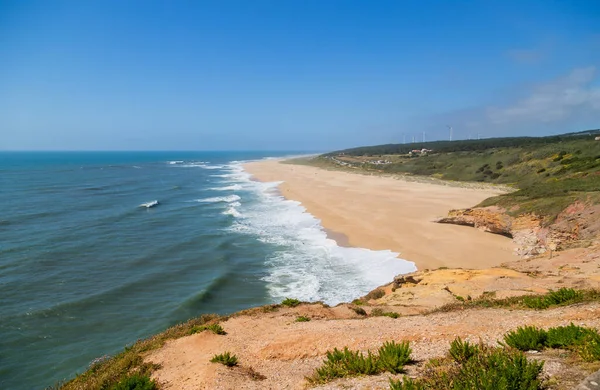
[
  {"x": 461, "y": 351},
  {"x": 566, "y": 336},
  {"x": 215, "y": 328},
  {"x": 226, "y": 359},
  {"x": 526, "y": 338},
  {"x": 290, "y": 302},
  {"x": 302, "y": 319},
  {"x": 488, "y": 369},
  {"x": 135, "y": 382},
  {"x": 393, "y": 357}
]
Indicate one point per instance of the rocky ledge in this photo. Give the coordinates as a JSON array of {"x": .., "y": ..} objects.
[{"x": 577, "y": 225}]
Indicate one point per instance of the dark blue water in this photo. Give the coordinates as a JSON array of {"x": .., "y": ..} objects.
[{"x": 85, "y": 268}]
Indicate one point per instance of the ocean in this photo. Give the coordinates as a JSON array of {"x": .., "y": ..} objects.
[{"x": 99, "y": 249}]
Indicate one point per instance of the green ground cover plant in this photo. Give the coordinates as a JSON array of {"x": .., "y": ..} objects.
[
  {"x": 302, "y": 319},
  {"x": 476, "y": 367},
  {"x": 225, "y": 358},
  {"x": 391, "y": 357},
  {"x": 135, "y": 382},
  {"x": 215, "y": 328},
  {"x": 564, "y": 296},
  {"x": 584, "y": 341},
  {"x": 527, "y": 338},
  {"x": 290, "y": 302}
]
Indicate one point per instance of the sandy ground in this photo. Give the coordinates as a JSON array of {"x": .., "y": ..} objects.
[
  {"x": 386, "y": 213},
  {"x": 284, "y": 352}
]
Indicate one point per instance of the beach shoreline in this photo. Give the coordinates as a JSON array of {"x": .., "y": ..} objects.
[{"x": 384, "y": 213}]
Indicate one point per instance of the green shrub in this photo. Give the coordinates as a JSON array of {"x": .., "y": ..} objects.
[
  {"x": 290, "y": 302},
  {"x": 488, "y": 369},
  {"x": 135, "y": 382},
  {"x": 225, "y": 358},
  {"x": 538, "y": 303},
  {"x": 589, "y": 350},
  {"x": 406, "y": 384},
  {"x": 302, "y": 319},
  {"x": 559, "y": 297},
  {"x": 215, "y": 328},
  {"x": 393, "y": 357},
  {"x": 339, "y": 364},
  {"x": 566, "y": 336},
  {"x": 526, "y": 338},
  {"x": 461, "y": 351},
  {"x": 391, "y": 314},
  {"x": 564, "y": 295},
  {"x": 498, "y": 369}
]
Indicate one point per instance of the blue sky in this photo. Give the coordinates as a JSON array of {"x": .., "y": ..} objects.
[{"x": 292, "y": 75}]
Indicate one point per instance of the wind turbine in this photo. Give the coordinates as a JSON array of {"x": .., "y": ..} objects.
[{"x": 450, "y": 128}]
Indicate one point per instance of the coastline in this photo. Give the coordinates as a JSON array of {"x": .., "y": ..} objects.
[{"x": 383, "y": 213}]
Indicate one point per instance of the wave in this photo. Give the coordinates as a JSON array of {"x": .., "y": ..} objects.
[
  {"x": 233, "y": 212},
  {"x": 304, "y": 263},
  {"x": 150, "y": 204},
  {"x": 216, "y": 199},
  {"x": 234, "y": 187},
  {"x": 175, "y": 162}
]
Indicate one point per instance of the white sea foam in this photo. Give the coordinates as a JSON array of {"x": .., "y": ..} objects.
[
  {"x": 231, "y": 210},
  {"x": 233, "y": 187},
  {"x": 217, "y": 199},
  {"x": 305, "y": 264},
  {"x": 175, "y": 162},
  {"x": 150, "y": 204}
]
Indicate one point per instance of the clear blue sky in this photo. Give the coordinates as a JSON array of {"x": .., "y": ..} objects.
[{"x": 293, "y": 75}]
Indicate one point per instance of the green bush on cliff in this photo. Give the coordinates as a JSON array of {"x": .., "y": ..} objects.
[
  {"x": 290, "y": 302},
  {"x": 461, "y": 351},
  {"x": 135, "y": 382},
  {"x": 225, "y": 358},
  {"x": 340, "y": 364},
  {"x": 526, "y": 338},
  {"x": 215, "y": 328},
  {"x": 567, "y": 336},
  {"x": 562, "y": 296},
  {"x": 393, "y": 357},
  {"x": 487, "y": 369}
]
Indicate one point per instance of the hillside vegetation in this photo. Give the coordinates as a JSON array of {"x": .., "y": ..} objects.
[{"x": 549, "y": 173}]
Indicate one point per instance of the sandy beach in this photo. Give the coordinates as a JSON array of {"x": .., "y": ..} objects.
[{"x": 388, "y": 213}]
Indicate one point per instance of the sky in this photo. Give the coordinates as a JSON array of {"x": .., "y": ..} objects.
[{"x": 292, "y": 74}]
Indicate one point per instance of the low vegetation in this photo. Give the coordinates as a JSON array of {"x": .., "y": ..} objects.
[
  {"x": 482, "y": 368},
  {"x": 290, "y": 302},
  {"x": 225, "y": 358},
  {"x": 215, "y": 328},
  {"x": 584, "y": 341},
  {"x": 561, "y": 297},
  {"x": 302, "y": 319},
  {"x": 136, "y": 382},
  {"x": 391, "y": 357}
]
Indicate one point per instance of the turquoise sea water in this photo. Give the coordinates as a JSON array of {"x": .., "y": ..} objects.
[{"x": 86, "y": 268}]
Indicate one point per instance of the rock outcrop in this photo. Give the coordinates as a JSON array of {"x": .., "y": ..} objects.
[{"x": 577, "y": 225}]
